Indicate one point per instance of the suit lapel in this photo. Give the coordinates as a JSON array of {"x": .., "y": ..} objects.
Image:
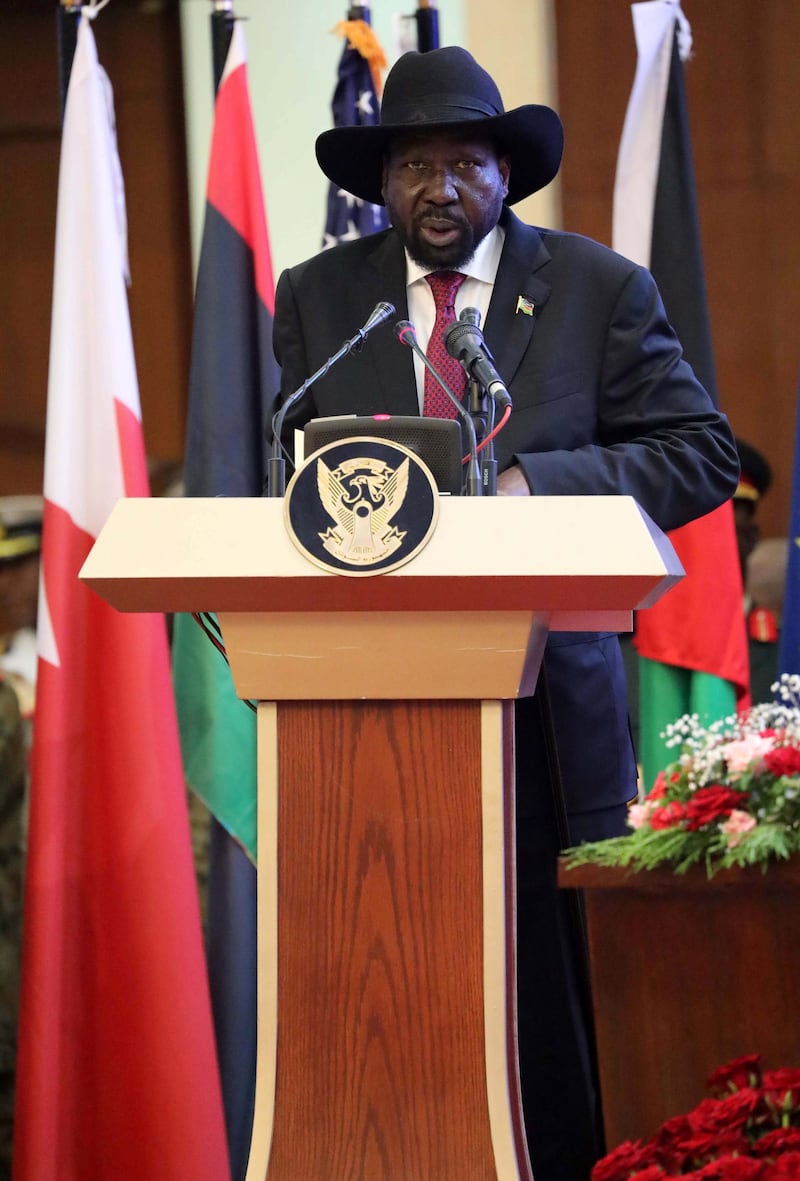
[
  {"x": 508, "y": 329},
  {"x": 519, "y": 293},
  {"x": 392, "y": 365}
]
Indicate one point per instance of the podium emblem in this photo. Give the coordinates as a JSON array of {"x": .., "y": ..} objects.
[{"x": 361, "y": 506}]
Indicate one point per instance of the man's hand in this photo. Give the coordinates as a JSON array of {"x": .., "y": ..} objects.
[{"x": 511, "y": 482}]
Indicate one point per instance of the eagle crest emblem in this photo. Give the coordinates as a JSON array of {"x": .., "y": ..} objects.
[
  {"x": 362, "y": 496},
  {"x": 361, "y": 506}
]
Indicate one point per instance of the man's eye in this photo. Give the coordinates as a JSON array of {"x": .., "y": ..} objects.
[
  {"x": 464, "y": 164},
  {"x": 415, "y": 165}
]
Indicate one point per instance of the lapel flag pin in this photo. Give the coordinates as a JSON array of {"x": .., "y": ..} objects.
[{"x": 524, "y": 305}]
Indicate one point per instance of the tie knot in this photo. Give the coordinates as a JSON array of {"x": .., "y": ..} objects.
[{"x": 444, "y": 285}]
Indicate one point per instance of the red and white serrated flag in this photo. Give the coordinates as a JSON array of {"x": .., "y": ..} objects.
[{"x": 117, "y": 1072}]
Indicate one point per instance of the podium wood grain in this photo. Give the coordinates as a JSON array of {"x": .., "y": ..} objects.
[{"x": 390, "y": 1042}]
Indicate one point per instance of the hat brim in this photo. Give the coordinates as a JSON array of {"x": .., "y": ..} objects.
[{"x": 531, "y": 136}]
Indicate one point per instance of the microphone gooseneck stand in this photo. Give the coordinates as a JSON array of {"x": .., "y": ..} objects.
[
  {"x": 406, "y": 333},
  {"x": 482, "y": 412},
  {"x": 464, "y": 341},
  {"x": 276, "y": 464}
]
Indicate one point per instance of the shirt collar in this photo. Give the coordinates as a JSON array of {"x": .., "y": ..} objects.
[{"x": 482, "y": 266}]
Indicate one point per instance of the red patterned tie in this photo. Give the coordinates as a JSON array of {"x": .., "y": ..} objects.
[{"x": 436, "y": 404}]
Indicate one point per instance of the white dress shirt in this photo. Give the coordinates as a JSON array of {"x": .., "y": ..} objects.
[{"x": 474, "y": 292}]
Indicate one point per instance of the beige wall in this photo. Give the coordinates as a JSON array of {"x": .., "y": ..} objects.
[{"x": 515, "y": 41}]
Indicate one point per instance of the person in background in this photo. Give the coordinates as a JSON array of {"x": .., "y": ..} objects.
[
  {"x": 755, "y": 478},
  {"x": 20, "y": 542},
  {"x": 763, "y": 565},
  {"x": 603, "y": 403},
  {"x": 764, "y": 591},
  {"x": 12, "y": 800}
]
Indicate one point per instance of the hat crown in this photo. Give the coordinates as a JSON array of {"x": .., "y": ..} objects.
[{"x": 442, "y": 86}]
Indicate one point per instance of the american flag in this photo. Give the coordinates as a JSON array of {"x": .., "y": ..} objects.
[{"x": 355, "y": 102}]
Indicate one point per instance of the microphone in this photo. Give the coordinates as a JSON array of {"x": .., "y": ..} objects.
[
  {"x": 379, "y": 315},
  {"x": 276, "y": 464},
  {"x": 483, "y": 416},
  {"x": 406, "y": 333},
  {"x": 475, "y": 395},
  {"x": 463, "y": 340}
]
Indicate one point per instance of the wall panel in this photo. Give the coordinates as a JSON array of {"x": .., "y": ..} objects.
[{"x": 139, "y": 45}]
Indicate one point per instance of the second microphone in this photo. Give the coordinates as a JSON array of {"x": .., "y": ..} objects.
[{"x": 464, "y": 341}]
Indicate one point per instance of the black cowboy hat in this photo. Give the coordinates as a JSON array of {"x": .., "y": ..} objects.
[{"x": 436, "y": 90}]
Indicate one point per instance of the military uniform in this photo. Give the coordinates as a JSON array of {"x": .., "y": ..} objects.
[
  {"x": 20, "y": 540},
  {"x": 12, "y": 799},
  {"x": 762, "y": 618}
]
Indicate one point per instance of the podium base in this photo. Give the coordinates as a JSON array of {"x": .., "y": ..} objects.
[{"x": 386, "y": 1044}]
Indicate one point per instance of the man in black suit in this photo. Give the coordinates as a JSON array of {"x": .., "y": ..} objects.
[{"x": 603, "y": 403}]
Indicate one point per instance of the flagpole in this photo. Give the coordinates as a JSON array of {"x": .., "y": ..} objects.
[
  {"x": 68, "y": 15},
  {"x": 427, "y": 18},
  {"x": 222, "y": 22}
]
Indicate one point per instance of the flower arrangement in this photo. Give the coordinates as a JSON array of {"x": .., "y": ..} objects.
[
  {"x": 747, "y": 1129},
  {"x": 730, "y": 798}
]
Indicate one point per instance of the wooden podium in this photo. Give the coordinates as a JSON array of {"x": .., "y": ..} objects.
[
  {"x": 386, "y": 1008},
  {"x": 687, "y": 974}
]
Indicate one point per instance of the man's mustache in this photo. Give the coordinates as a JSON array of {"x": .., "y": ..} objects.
[{"x": 442, "y": 216}]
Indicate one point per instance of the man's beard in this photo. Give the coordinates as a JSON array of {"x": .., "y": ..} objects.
[{"x": 450, "y": 257}]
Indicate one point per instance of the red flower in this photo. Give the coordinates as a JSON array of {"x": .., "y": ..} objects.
[
  {"x": 710, "y": 803},
  {"x": 668, "y": 1143},
  {"x": 722, "y": 1115},
  {"x": 783, "y": 760},
  {"x": 720, "y": 1139},
  {"x": 785, "y": 1168},
  {"x": 744, "y": 1071},
  {"x": 782, "y": 1087},
  {"x": 624, "y": 1160},
  {"x": 668, "y": 816},
  {"x": 731, "y": 1168},
  {"x": 659, "y": 788},
  {"x": 672, "y": 1130},
  {"x": 708, "y": 1145},
  {"x": 779, "y": 1140}
]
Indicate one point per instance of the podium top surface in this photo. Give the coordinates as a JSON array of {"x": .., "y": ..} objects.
[{"x": 547, "y": 553}]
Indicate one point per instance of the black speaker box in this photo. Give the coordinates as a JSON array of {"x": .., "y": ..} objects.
[{"x": 437, "y": 441}]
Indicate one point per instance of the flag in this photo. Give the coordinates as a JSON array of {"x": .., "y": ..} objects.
[
  {"x": 233, "y": 383},
  {"x": 789, "y": 650},
  {"x": 355, "y": 103},
  {"x": 117, "y": 1073},
  {"x": 427, "y": 22},
  {"x": 692, "y": 644}
]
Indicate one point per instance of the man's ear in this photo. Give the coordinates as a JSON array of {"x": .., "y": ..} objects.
[{"x": 504, "y": 166}]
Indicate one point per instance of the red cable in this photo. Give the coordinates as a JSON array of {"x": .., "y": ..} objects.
[{"x": 492, "y": 434}]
